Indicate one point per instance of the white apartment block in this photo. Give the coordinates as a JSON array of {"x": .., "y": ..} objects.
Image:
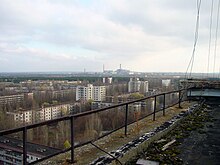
[
  {"x": 135, "y": 85},
  {"x": 99, "y": 93},
  {"x": 96, "y": 93},
  {"x": 42, "y": 114},
  {"x": 84, "y": 92},
  {"x": 11, "y": 99},
  {"x": 53, "y": 112},
  {"x": 22, "y": 116}
]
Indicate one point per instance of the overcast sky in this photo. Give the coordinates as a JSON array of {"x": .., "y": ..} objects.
[{"x": 68, "y": 35}]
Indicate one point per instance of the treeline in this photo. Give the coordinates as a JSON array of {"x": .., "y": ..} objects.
[{"x": 80, "y": 78}]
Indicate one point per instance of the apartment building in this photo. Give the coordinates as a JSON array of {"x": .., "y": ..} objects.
[
  {"x": 96, "y": 93},
  {"x": 99, "y": 105},
  {"x": 99, "y": 93},
  {"x": 11, "y": 151},
  {"x": 84, "y": 92},
  {"x": 107, "y": 80},
  {"x": 42, "y": 114},
  {"x": 54, "y": 112},
  {"x": 135, "y": 85},
  {"x": 11, "y": 99},
  {"x": 22, "y": 116}
]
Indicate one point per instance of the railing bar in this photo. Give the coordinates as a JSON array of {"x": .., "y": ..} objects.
[
  {"x": 155, "y": 106},
  {"x": 72, "y": 139},
  {"x": 164, "y": 104},
  {"x": 24, "y": 129},
  {"x": 79, "y": 115},
  {"x": 24, "y": 146},
  {"x": 110, "y": 132},
  {"x": 126, "y": 119}
]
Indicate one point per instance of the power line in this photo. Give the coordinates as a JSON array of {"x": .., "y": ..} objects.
[
  {"x": 190, "y": 65},
  {"x": 210, "y": 37},
  {"x": 216, "y": 38}
]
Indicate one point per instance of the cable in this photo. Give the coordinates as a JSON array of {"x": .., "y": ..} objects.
[
  {"x": 216, "y": 38},
  {"x": 106, "y": 152},
  {"x": 195, "y": 40},
  {"x": 194, "y": 47},
  {"x": 210, "y": 37}
]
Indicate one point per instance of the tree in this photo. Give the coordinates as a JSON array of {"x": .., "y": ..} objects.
[
  {"x": 136, "y": 96},
  {"x": 93, "y": 127}
]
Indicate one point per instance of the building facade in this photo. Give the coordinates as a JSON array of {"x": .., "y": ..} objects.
[
  {"x": 11, "y": 99},
  {"x": 42, "y": 114},
  {"x": 90, "y": 92},
  {"x": 11, "y": 151},
  {"x": 135, "y": 85}
]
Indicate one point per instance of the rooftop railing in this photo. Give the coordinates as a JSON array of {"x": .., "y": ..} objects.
[{"x": 107, "y": 120}]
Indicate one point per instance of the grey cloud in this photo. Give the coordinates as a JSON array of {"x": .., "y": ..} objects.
[{"x": 125, "y": 30}]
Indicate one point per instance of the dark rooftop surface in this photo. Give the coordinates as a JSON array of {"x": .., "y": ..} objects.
[
  {"x": 196, "y": 140},
  {"x": 203, "y": 147},
  {"x": 34, "y": 149}
]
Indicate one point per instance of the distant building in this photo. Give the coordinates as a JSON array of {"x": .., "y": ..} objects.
[
  {"x": 107, "y": 80},
  {"x": 99, "y": 105},
  {"x": 63, "y": 93},
  {"x": 96, "y": 93},
  {"x": 22, "y": 116},
  {"x": 11, "y": 151},
  {"x": 11, "y": 99},
  {"x": 99, "y": 93},
  {"x": 42, "y": 114},
  {"x": 136, "y": 107},
  {"x": 84, "y": 92},
  {"x": 135, "y": 85},
  {"x": 166, "y": 82},
  {"x": 53, "y": 112}
]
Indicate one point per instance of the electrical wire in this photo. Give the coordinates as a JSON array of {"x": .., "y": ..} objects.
[
  {"x": 190, "y": 65},
  {"x": 216, "y": 38},
  {"x": 210, "y": 37}
]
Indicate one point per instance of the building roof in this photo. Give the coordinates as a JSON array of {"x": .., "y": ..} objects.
[{"x": 32, "y": 148}]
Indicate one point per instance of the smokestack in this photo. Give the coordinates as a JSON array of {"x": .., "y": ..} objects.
[
  {"x": 120, "y": 66},
  {"x": 103, "y": 68}
]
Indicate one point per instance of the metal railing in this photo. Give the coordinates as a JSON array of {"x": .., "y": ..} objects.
[{"x": 180, "y": 97}]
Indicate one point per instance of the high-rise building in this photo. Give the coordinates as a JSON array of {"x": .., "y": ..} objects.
[
  {"x": 84, "y": 92},
  {"x": 135, "y": 85},
  {"x": 96, "y": 93},
  {"x": 99, "y": 93}
]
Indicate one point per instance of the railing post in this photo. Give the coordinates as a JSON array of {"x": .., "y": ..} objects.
[
  {"x": 180, "y": 99},
  {"x": 126, "y": 119},
  {"x": 164, "y": 103},
  {"x": 72, "y": 138},
  {"x": 155, "y": 105},
  {"x": 24, "y": 146}
]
